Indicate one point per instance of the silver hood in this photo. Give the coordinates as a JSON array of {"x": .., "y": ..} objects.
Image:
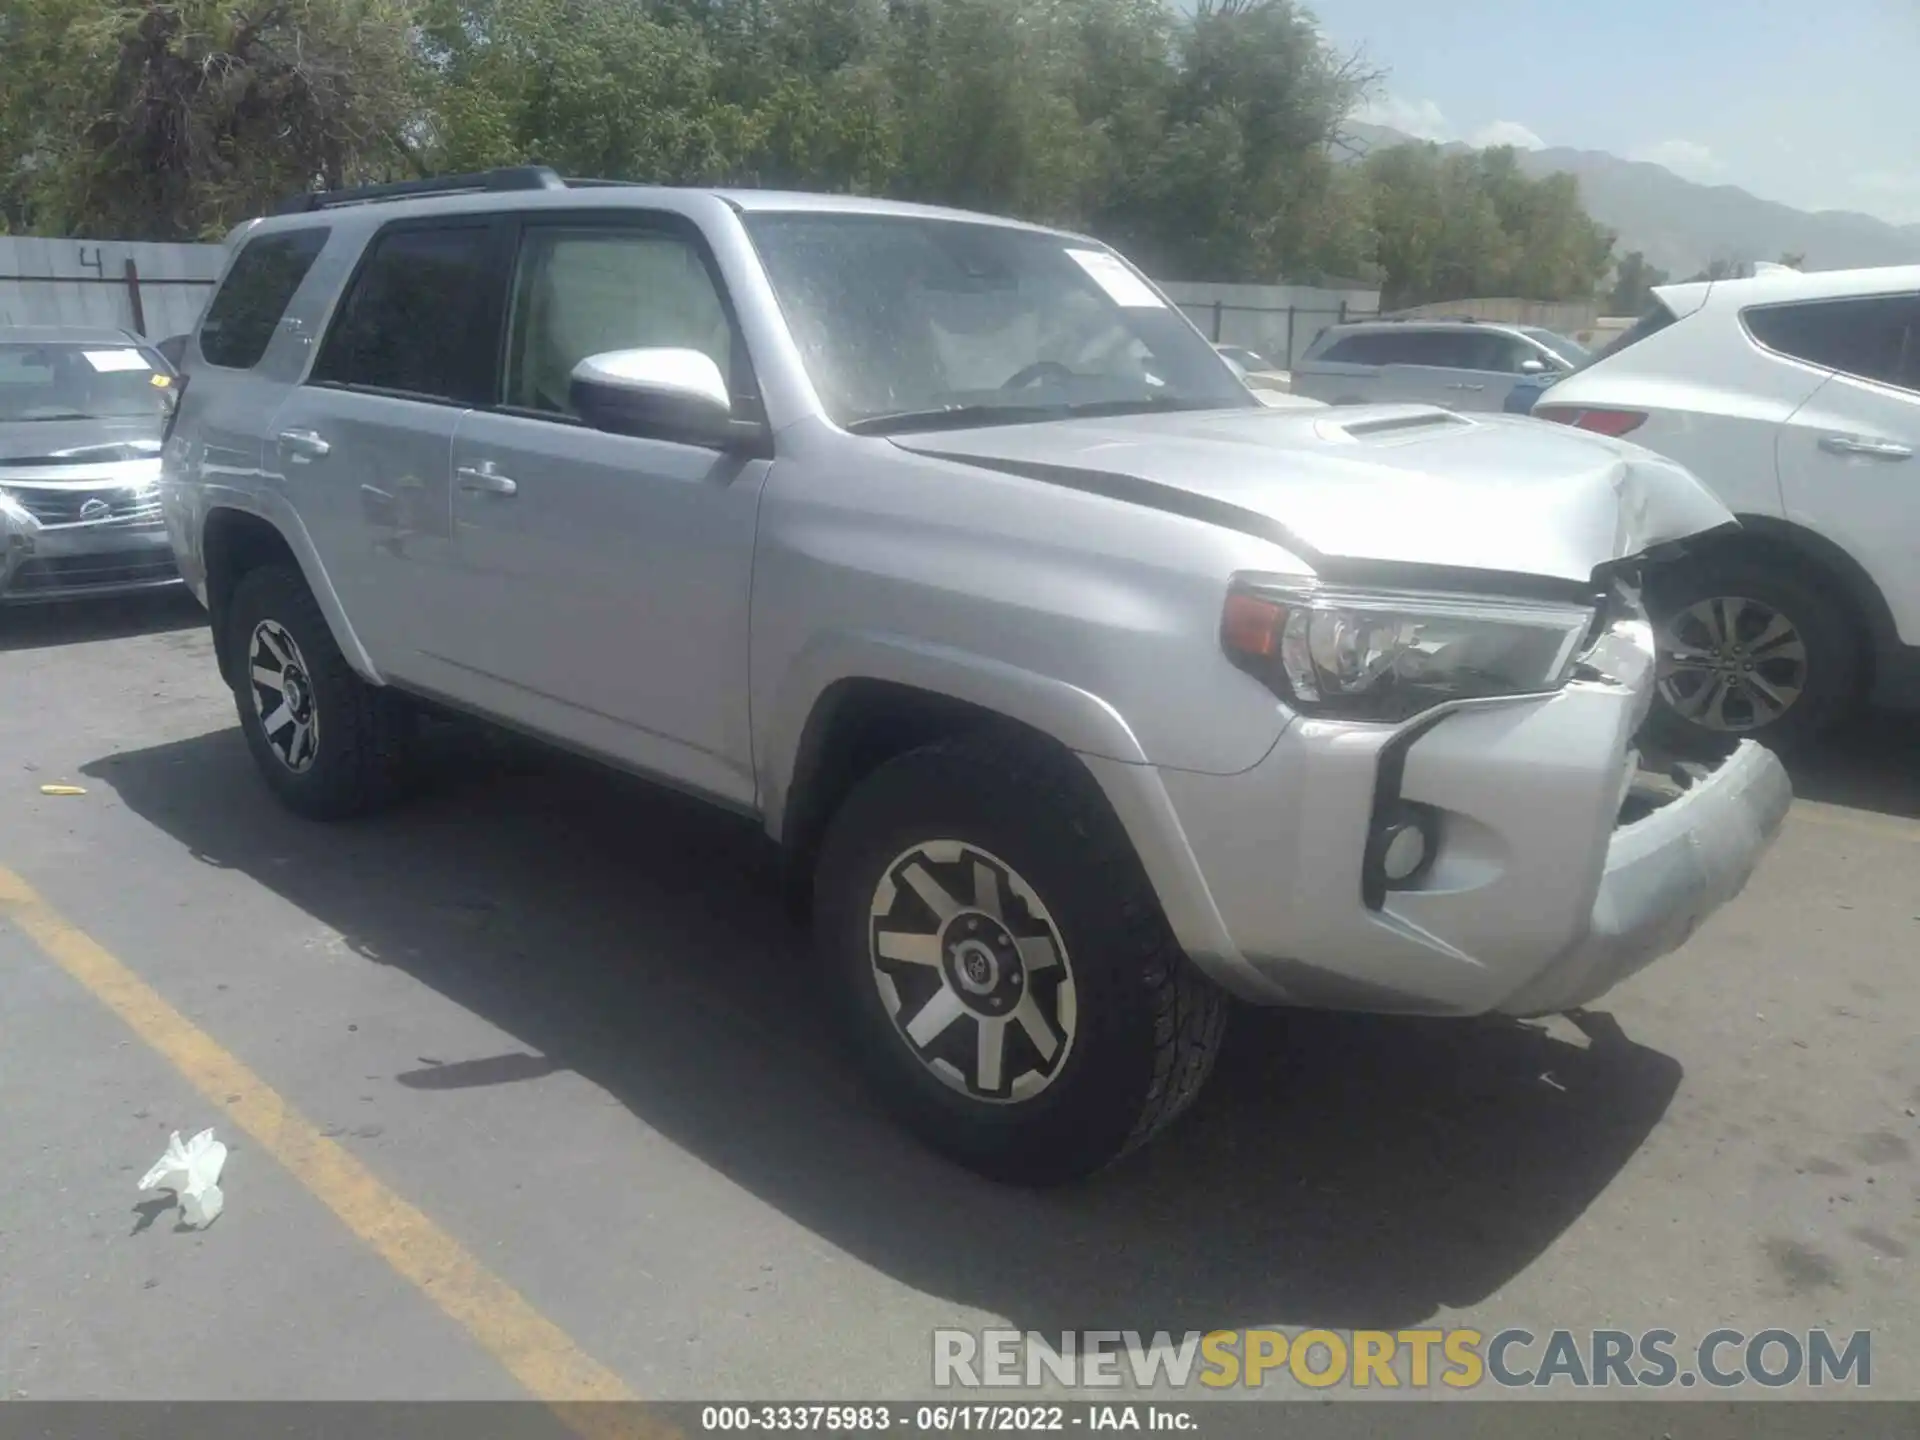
[
  {"x": 1402, "y": 484},
  {"x": 55, "y": 444}
]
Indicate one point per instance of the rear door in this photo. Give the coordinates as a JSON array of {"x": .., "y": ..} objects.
[
  {"x": 1850, "y": 455},
  {"x": 363, "y": 448}
]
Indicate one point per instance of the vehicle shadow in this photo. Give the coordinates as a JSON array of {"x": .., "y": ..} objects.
[
  {"x": 1339, "y": 1170},
  {"x": 70, "y": 622},
  {"x": 1872, "y": 763}
]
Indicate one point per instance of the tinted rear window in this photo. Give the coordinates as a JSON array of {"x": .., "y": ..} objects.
[
  {"x": 411, "y": 322},
  {"x": 1651, "y": 323},
  {"x": 1872, "y": 337},
  {"x": 258, "y": 289},
  {"x": 1368, "y": 348}
]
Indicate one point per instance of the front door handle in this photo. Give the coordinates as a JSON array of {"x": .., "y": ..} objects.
[
  {"x": 483, "y": 479},
  {"x": 303, "y": 445},
  {"x": 1857, "y": 445},
  {"x": 1466, "y": 387}
]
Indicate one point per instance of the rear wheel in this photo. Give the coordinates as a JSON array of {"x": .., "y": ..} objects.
[
  {"x": 1750, "y": 649},
  {"x": 328, "y": 744},
  {"x": 1008, "y": 981}
]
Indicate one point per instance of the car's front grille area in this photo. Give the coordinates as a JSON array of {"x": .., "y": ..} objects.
[
  {"x": 85, "y": 572},
  {"x": 117, "y": 505}
]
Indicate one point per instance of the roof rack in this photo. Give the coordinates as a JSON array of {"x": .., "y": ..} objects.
[{"x": 515, "y": 177}]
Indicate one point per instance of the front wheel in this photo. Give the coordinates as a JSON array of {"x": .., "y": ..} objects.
[
  {"x": 1749, "y": 650},
  {"x": 1010, "y": 985}
]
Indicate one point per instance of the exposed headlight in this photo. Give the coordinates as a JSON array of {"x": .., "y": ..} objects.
[
  {"x": 13, "y": 515},
  {"x": 1388, "y": 655}
]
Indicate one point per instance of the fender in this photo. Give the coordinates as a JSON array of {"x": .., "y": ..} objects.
[
  {"x": 273, "y": 509},
  {"x": 1079, "y": 720}
]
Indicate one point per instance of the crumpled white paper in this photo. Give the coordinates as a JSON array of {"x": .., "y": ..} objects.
[{"x": 192, "y": 1172}]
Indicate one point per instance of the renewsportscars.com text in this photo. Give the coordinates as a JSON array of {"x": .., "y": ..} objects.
[{"x": 1456, "y": 1359}]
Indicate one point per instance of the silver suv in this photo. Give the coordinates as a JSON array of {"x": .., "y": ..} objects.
[
  {"x": 1080, "y": 689},
  {"x": 1462, "y": 364}
]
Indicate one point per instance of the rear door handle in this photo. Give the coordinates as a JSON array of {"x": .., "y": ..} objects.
[
  {"x": 483, "y": 479},
  {"x": 1466, "y": 387},
  {"x": 303, "y": 445},
  {"x": 1856, "y": 445}
]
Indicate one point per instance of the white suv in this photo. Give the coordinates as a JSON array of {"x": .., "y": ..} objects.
[{"x": 1796, "y": 398}]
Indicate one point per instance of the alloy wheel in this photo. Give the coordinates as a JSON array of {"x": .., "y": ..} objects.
[
  {"x": 972, "y": 969},
  {"x": 283, "y": 700},
  {"x": 1731, "y": 664}
]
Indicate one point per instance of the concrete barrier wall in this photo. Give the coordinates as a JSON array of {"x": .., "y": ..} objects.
[
  {"x": 1279, "y": 321},
  {"x": 86, "y": 282},
  {"x": 1565, "y": 316}
]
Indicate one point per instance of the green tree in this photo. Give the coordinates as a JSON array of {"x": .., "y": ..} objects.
[
  {"x": 1634, "y": 281},
  {"x": 1460, "y": 225},
  {"x": 170, "y": 119}
]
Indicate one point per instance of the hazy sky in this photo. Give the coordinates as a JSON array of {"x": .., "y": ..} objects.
[{"x": 1813, "y": 104}]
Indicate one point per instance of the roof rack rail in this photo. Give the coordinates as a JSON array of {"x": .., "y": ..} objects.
[{"x": 515, "y": 177}]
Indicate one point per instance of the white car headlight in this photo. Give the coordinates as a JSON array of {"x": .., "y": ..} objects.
[{"x": 1388, "y": 655}]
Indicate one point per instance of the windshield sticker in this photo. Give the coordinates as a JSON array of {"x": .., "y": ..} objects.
[
  {"x": 1123, "y": 287},
  {"x": 108, "y": 361}
]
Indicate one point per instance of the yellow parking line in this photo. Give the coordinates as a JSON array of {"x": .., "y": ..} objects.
[
  {"x": 535, "y": 1351},
  {"x": 1885, "y": 827}
]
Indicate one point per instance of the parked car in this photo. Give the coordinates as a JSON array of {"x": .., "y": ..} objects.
[
  {"x": 81, "y": 415},
  {"x": 1079, "y": 689},
  {"x": 1462, "y": 364},
  {"x": 1255, "y": 369},
  {"x": 1796, "y": 398}
]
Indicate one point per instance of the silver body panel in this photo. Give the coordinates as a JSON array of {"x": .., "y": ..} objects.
[{"x": 689, "y": 615}]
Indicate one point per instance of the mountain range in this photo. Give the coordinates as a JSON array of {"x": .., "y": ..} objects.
[{"x": 1682, "y": 226}]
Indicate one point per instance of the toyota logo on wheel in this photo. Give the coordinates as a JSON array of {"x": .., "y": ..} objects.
[{"x": 95, "y": 510}]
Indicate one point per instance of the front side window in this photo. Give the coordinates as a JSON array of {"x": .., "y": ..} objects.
[
  {"x": 242, "y": 316},
  {"x": 1873, "y": 338},
  {"x": 909, "y": 322},
  {"x": 68, "y": 380},
  {"x": 413, "y": 321},
  {"x": 588, "y": 291}
]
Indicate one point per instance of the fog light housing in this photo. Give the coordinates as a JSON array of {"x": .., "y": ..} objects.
[{"x": 1400, "y": 850}]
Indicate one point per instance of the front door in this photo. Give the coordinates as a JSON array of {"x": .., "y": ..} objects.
[{"x": 602, "y": 581}]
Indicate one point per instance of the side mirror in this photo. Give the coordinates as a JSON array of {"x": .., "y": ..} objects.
[
  {"x": 1533, "y": 365},
  {"x": 661, "y": 393}
]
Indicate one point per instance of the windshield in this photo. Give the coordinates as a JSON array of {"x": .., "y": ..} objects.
[
  {"x": 1571, "y": 351},
  {"x": 65, "y": 380},
  {"x": 905, "y": 322}
]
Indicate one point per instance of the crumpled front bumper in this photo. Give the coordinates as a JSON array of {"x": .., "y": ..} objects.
[
  {"x": 1540, "y": 896},
  {"x": 1665, "y": 873}
]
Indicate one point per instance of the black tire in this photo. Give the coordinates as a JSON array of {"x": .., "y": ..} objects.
[
  {"x": 1146, "y": 1025},
  {"x": 1829, "y": 684},
  {"x": 358, "y": 757}
]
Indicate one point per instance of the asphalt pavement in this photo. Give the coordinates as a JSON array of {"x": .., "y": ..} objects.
[{"x": 529, "y": 1086}]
